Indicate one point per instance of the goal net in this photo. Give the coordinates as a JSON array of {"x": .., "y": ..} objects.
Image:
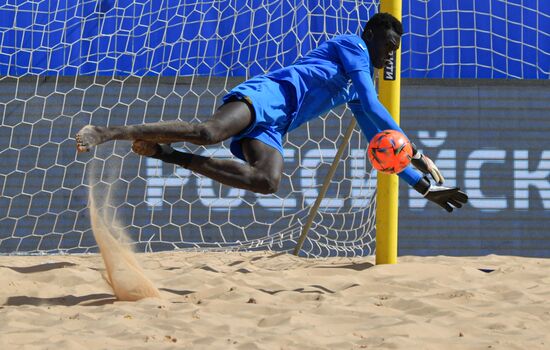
[
  {"x": 66, "y": 64},
  {"x": 69, "y": 64}
]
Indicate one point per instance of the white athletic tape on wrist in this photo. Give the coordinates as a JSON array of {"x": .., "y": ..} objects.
[{"x": 427, "y": 191}]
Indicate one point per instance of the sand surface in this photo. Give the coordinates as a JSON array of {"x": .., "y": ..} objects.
[{"x": 261, "y": 301}]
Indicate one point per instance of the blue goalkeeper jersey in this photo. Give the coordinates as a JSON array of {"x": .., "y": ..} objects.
[{"x": 339, "y": 71}]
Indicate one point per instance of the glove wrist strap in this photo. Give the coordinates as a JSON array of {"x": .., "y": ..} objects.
[{"x": 423, "y": 186}]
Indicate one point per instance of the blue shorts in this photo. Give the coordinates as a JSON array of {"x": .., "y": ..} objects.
[{"x": 274, "y": 107}]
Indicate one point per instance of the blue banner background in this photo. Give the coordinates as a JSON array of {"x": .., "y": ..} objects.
[{"x": 443, "y": 39}]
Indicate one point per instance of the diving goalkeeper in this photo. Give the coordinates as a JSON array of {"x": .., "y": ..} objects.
[{"x": 259, "y": 112}]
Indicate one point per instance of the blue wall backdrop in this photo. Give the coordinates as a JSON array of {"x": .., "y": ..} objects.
[{"x": 443, "y": 39}]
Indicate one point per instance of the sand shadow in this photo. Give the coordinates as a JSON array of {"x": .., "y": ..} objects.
[
  {"x": 39, "y": 268},
  {"x": 243, "y": 270},
  {"x": 321, "y": 290},
  {"x": 487, "y": 270},
  {"x": 67, "y": 300},
  {"x": 177, "y": 292},
  {"x": 208, "y": 268},
  {"x": 356, "y": 267}
]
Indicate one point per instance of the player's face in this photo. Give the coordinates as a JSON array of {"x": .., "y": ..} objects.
[{"x": 383, "y": 42}]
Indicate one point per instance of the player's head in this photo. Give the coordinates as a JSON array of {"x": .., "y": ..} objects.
[{"x": 382, "y": 34}]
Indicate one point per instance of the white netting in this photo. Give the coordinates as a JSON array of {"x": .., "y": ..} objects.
[
  {"x": 476, "y": 39},
  {"x": 65, "y": 64},
  {"x": 129, "y": 62}
]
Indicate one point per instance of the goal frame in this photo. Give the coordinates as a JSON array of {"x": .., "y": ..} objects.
[{"x": 387, "y": 194}]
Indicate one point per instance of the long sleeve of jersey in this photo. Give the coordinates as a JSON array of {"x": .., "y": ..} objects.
[{"x": 371, "y": 115}]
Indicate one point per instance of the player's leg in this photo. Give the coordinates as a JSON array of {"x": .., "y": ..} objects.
[
  {"x": 262, "y": 172},
  {"x": 230, "y": 119}
]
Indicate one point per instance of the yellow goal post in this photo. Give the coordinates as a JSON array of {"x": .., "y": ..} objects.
[{"x": 389, "y": 87}]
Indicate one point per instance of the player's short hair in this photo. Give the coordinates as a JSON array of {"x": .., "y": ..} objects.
[{"x": 386, "y": 21}]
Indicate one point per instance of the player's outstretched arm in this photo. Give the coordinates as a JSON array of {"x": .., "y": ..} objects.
[
  {"x": 446, "y": 197},
  {"x": 373, "y": 117}
]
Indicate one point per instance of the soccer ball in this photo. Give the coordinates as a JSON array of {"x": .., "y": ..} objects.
[{"x": 390, "y": 152}]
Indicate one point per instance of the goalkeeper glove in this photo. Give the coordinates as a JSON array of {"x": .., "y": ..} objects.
[
  {"x": 446, "y": 197},
  {"x": 423, "y": 163}
]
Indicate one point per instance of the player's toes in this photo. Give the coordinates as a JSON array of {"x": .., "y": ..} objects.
[
  {"x": 87, "y": 137},
  {"x": 81, "y": 147}
]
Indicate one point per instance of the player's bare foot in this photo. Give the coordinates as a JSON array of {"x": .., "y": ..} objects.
[
  {"x": 145, "y": 148},
  {"x": 90, "y": 136}
]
